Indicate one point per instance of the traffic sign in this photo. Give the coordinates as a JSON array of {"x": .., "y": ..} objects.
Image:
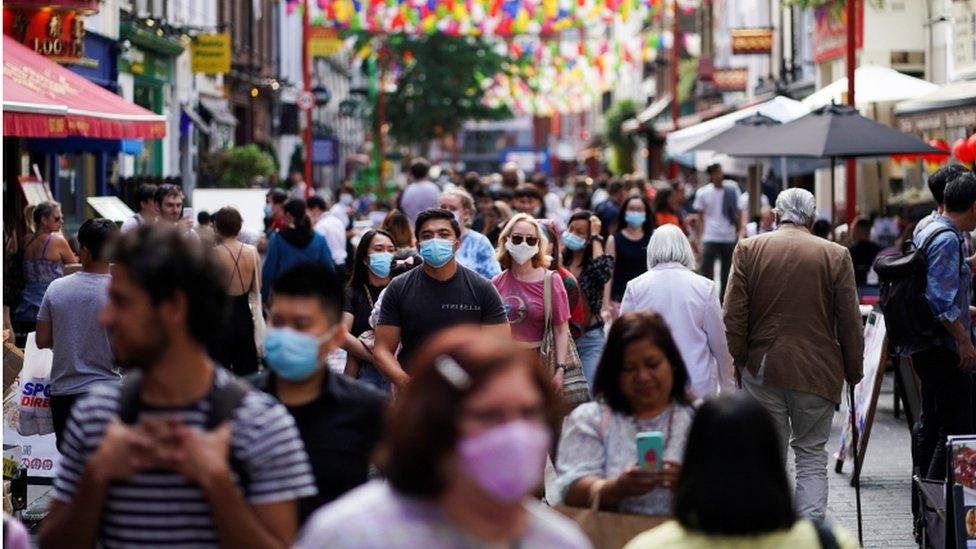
[{"x": 306, "y": 100}]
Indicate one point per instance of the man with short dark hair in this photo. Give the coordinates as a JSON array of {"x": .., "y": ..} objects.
[
  {"x": 328, "y": 224},
  {"x": 441, "y": 294},
  {"x": 718, "y": 204},
  {"x": 340, "y": 419},
  {"x": 937, "y": 183},
  {"x": 863, "y": 250},
  {"x": 182, "y": 454},
  {"x": 274, "y": 210},
  {"x": 421, "y": 194},
  {"x": 527, "y": 200},
  {"x": 609, "y": 210},
  {"x": 945, "y": 365},
  {"x": 146, "y": 199},
  {"x": 82, "y": 356}
]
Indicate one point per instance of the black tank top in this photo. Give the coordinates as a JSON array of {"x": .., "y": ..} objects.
[{"x": 631, "y": 262}]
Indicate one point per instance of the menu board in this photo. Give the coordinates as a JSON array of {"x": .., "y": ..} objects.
[
  {"x": 961, "y": 506},
  {"x": 866, "y": 392}
]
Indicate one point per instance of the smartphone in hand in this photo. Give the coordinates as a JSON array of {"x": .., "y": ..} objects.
[
  {"x": 650, "y": 450},
  {"x": 187, "y": 213}
]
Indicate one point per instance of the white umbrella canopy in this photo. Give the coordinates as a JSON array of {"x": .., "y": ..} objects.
[{"x": 874, "y": 84}]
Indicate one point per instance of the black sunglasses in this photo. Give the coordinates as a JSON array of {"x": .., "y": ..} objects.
[{"x": 530, "y": 240}]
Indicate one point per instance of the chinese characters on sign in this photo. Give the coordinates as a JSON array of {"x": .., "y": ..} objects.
[{"x": 57, "y": 34}]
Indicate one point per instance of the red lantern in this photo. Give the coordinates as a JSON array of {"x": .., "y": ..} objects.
[
  {"x": 961, "y": 150},
  {"x": 937, "y": 158},
  {"x": 971, "y": 143}
]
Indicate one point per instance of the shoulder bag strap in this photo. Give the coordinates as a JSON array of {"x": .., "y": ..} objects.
[
  {"x": 547, "y": 298},
  {"x": 129, "y": 403}
]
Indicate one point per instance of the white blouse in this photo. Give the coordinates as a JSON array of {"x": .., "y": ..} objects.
[{"x": 689, "y": 304}]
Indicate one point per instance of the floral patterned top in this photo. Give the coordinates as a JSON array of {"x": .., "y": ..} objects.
[
  {"x": 592, "y": 279},
  {"x": 598, "y": 441}
]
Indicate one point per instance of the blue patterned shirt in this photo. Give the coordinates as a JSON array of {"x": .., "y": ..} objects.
[
  {"x": 947, "y": 287},
  {"x": 477, "y": 254}
]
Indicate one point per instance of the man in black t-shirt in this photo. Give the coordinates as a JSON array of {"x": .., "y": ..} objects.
[
  {"x": 439, "y": 295},
  {"x": 339, "y": 419},
  {"x": 863, "y": 250}
]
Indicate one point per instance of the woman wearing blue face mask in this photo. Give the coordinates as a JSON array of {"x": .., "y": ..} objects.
[
  {"x": 584, "y": 257},
  {"x": 371, "y": 274},
  {"x": 465, "y": 447},
  {"x": 628, "y": 248}
]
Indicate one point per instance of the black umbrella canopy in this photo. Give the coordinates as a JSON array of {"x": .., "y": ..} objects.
[
  {"x": 747, "y": 130},
  {"x": 832, "y": 131}
]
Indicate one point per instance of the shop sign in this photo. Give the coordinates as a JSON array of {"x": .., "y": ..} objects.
[
  {"x": 323, "y": 41},
  {"x": 53, "y": 33},
  {"x": 145, "y": 65},
  {"x": 938, "y": 120},
  {"x": 730, "y": 80},
  {"x": 325, "y": 151},
  {"x": 752, "y": 41},
  {"x": 210, "y": 53},
  {"x": 830, "y": 31}
]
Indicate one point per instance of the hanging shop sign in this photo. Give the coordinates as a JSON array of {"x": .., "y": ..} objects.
[
  {"x": 325, "y": 151},
  {"x": 964, "y": 38},
  {"x": 730, "y": 80},
  {"x": 57, "y": 34},
  {"x": 830, "y": 31},
  {"x": 323, "y": 41},
  {"x": 752, "y": 41},
  {"x": 210, "y": 53}
]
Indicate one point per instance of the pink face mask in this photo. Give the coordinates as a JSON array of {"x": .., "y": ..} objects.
[{"x": 507, "y": 461}]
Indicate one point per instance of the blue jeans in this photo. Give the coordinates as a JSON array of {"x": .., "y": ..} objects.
[
  {"x": 370, "y": 374},
  {"x": 590, "y": 348}
]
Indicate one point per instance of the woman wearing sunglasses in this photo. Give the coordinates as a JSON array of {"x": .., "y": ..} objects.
[
  {"x": 45, "y": 254},
  {"x": 522, "y": 248}
]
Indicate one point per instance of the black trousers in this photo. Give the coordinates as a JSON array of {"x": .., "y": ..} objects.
[
  {"x": 947, "y": 408},
  {"x": 723, "y": 252},
  {"x": 60, "y": 412}
]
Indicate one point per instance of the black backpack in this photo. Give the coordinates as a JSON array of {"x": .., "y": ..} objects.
[
  {"x": 908, "y": 317},
  {"x": 224, "y": 400}
]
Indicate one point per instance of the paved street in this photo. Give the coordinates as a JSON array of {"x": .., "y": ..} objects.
[{"x": 885, "y": 480}]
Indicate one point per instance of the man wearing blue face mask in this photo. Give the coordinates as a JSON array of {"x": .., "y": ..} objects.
[
  {"x": 339, "y": 419},
  {"x": 439, "y": 295}
]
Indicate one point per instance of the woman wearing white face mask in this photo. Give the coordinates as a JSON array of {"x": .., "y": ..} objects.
[
  {"x": 465, "y": 447},
  {"x": 522, "y": 249}
]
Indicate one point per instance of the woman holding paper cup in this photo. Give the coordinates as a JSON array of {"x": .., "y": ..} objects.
[{"x": 626, "y": 447}]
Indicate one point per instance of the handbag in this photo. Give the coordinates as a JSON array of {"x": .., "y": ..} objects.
[
  {"x": 575, "y": 389},
  {"x": 257, "y": 308},
  {"x": 606, "y": 529}
]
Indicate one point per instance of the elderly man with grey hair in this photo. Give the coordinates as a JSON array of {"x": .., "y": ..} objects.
[
  {"x": 689, "y": 304},
  {"x": 794, "y": 331}
]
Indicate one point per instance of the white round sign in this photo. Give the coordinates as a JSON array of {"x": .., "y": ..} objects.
[{"x": 306, "y": 100}]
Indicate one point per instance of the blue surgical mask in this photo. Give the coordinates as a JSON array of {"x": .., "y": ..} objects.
[
  {"x": 437, "y": 252},
  {"x": 573, "y": 242},
  {"x": 267, "y": 210},
  {"x": 635, "y": 219},
  {"x": 345, "y": 199},
  {"x": 291, "y": 354},
  {"x": 380, "y": 263}
]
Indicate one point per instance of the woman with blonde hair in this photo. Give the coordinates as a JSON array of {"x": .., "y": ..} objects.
[{"x": 522, "y": 247}]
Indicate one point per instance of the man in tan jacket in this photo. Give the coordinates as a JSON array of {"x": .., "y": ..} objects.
[{"x": 795, "y": 334}]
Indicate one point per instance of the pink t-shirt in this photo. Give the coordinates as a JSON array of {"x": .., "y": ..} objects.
[{"x": 525, "y": 306}]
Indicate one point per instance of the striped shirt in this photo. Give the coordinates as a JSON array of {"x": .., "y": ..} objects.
[{"x": 156, "y": 508}]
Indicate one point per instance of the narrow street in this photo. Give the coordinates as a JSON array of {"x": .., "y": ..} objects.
[{"x": 885, "y": 481}]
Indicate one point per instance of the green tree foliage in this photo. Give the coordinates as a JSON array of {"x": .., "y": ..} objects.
[
  {"x": 622, "y": 144},
  {"x": 439, "y": 86},
  {"x": 242, "y": 166}
]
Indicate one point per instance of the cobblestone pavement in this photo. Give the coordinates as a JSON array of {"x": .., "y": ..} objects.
[{"x": 885, "y": 479}]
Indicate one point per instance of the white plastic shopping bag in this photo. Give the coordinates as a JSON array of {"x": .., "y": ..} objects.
[{"x": 35, "y": 390}]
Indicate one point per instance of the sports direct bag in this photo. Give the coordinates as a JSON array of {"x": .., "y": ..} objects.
[
  {"x": 35, "y": 390},
  {"x": 908, "y": 316}
]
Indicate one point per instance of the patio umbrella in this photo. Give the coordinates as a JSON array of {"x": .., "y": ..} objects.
[{"x": 832, "y": 131}]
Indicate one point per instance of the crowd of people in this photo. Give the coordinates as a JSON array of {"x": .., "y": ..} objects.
[{"x": 411, "y": 363}]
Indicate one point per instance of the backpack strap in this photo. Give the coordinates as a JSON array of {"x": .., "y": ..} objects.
[{"x": 825, "y": 535}]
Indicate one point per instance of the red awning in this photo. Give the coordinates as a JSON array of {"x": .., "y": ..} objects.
[{"x": 44, "y": 99}]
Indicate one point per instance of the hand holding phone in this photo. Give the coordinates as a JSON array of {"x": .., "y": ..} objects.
[{"x": 650, "y": 450}]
